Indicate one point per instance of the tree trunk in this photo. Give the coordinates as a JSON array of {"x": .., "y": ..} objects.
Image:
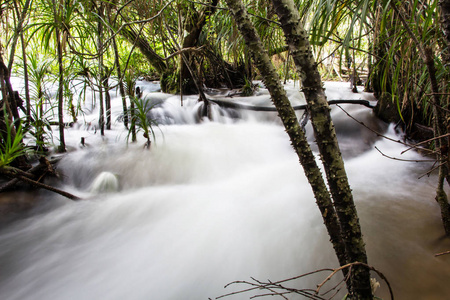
[
  {"x": 62, "y": 143},
  {"x": 445, "y": 25},
  {"x": 117, "y": 64},
  {"x": 18, "y": 30},
  {"x": 442, "y": 200},
  {"x": 105, "y": 83},
  {"x": 101, "y": 117},
  {"x": 26, "y": 79},
  {"x": 291, "y": 124},
  {"x": 152, "y": 57},
  {"x": 194, "y": 27},
  {"x": 56, "y": 17},
  {"x": 298, "y": 41},
  {"x": 120, "y": 82},
  {"x": 6, "y": 111}
]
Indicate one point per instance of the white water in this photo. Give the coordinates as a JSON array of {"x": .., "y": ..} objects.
[{"x": 216, "y": 202}]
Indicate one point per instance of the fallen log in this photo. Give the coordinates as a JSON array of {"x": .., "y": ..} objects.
[
  {"x": 47, "y": 187},
  {"x": 228, "y": 104},
  {"x": 33, "y": 176}
]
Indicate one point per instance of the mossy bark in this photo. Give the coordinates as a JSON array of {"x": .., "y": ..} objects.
[
  {"x": 301, "y": 51},
  {"x": 287, "y": 114}
]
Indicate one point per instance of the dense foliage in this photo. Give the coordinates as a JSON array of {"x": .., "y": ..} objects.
[{"x": 400, "y": 50}]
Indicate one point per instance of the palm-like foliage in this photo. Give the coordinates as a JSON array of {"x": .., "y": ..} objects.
[
  {"x": 366, "y": 31},
  {"x": 11, "y": 146},
  {"x": 142, "y": 121}
]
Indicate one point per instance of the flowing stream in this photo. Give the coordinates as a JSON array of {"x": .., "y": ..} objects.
[{"x": 219, "y": 201}]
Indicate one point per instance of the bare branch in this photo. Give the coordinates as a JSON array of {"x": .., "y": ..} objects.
[
  {"x": 184, "y": 50},
  {"x": 382, "y": 135},
  {"x": 427, "y": 141},
  {"x": 276, "y": 289},
  {"x": 408, "y": 160},
  {"x": 442, "y": 253}
]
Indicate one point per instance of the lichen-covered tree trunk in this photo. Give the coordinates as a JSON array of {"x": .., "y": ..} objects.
[
  {"x": 287, "y": 114},
  {"x": 301, "y": 51}
]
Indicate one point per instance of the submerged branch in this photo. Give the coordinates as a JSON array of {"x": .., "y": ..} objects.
[{"x": 47, "y": 187}]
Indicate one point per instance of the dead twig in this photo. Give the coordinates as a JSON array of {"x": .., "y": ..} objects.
[
  {"x": 442, "y": 253},
  {"x": 277, "y": 289},
  {"x": 258, "y": 286},
  {"x": 427, "y": 141},
  {"x": 408, "y": 160},
  {"x": 349, "y": 266}
]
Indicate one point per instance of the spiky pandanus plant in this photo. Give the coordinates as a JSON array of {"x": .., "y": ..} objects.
[
  {"x": 39, "y": 70},
  {"x": 52, "y": 24}
]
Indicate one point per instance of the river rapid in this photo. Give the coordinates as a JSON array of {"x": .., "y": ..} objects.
[{"x": 217, "y": 201}]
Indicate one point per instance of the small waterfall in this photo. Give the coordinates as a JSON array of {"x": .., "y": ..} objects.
[{"x": 105, "y": 182}]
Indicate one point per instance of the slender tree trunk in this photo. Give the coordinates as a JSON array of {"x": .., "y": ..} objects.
[
  {"x": 26, "y": 79},
  {"x": 120, "y": 82},
  {"x": 56, "y": 17},
  {"x": 133, "y": 116},
  {"x": 298, "y": 41},
  {"x": 10, "y": 100},
  {"x": 8, "y": 94},
  {"x": 18, "y": 30},
  {"x": 19, "y": 34},
  {"x": 117, "y": 63},
  {"x": 107, "y": 100},
  {"x": 291, "y": 124},
  {"x": 62, "y": 143},
  {"x": 101, "y": 117}
]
